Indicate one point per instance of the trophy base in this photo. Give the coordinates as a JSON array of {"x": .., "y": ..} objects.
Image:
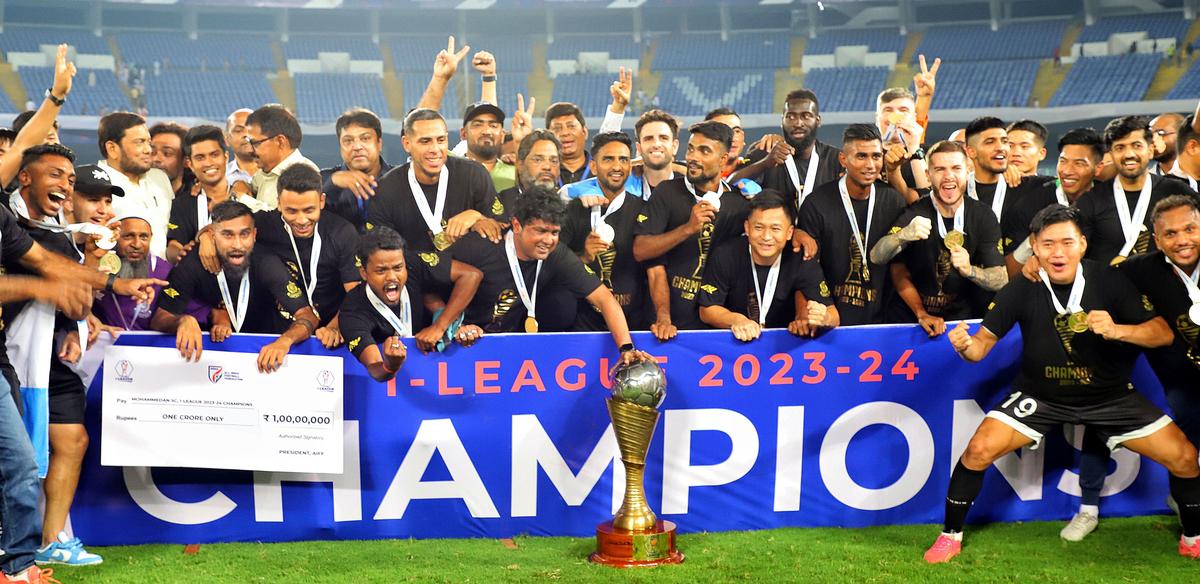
[{"x": 636, "y": 549}]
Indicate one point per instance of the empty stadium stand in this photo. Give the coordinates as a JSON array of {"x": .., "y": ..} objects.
[
  {"x": 322, "y": 97},
  {"x": 985, "y": 84},
  {"x": 85, "y": 100},
  {"x": 212, "y": 94},
  {"x": 1107, "y": 79},
  {"x": 1157, "y": 26},
  {"x": 211, "y": 52},
  {"x": 693, "y": 93},
  {"x": 877, "y": 40},
  {"x": 708, "y": 51},
  {"x": 847, "y": 89},
  {"x": 1031, "y": 40}
]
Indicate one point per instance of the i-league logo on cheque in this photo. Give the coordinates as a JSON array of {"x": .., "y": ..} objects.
[
  {"x": 124, "y": 370},
  {"x": 325, "y": 380},
  {"x": 215, "y": 373}
]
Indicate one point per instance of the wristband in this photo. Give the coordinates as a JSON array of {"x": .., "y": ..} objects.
[
  {"x": 108, "y": 285},
  {"x": 56, "y": 101},
  {"x": 391, "y": 371},
  {"x": 487, "y": 78},
  {"x": 627, "y": 347}
]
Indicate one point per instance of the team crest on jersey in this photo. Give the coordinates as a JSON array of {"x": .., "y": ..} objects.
[
  {"x": 293, "y": 291},
  {"x": 589, "y": 269},
  {"x": 894, "y": 230},
  {"x": 293, "y": 267},
  {"x": 824, "y": 289},
  {"x": 1146, "y": 303},
  {"x": 709, "y": 288},
  {"x": 172, "y": 226},
  {"x": 991, "y": 305},
  {"x": 171, "y": 292},
  {"x": 497, "y": 207},
  {"x": 430, "y": 258},
  {"x": 354, "y": 344},
  {"x": 642, "y": 218},
  {"x": 1000, "y": 246},
  {"x": 370, "y": 226},
  {"x": 357, "y": 262}
]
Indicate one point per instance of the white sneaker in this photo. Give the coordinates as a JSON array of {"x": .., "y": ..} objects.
[{"x": 1080, "y": 526}]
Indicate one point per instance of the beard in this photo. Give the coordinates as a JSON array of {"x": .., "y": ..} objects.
[
  {"x": 666, "y": 162},
  {"x": 484, "y": 151},
  {"x": 132, "y": 269},
  {"x": 239, "y": 270},
  {"x": 801, "y": 145}
]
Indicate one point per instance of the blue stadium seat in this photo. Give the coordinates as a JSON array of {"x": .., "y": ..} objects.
[
  {"x": 694, "y": 93},
  {"x": 707, "y": 51},
  {"x": 1157, "y": 25},
  {"x": 213, "y": 52},
  {"x": 589, "y": 92},
  {"x": 322, "y": 97},
  {"x": 29, "y": 39},
  {"x": 1109, "y": 79},
  {"x": 212, "y": 94},
  {"x": 415, "y": 53},
  {"x": 618, "y": 46},
  {"x": 1188, "y": 86},
  {"x": 6, "y": 104},
  {"x": 106, "y": 96},
  {"x": 414, "y": 86},
  {"x": 985, "y": 84},
  {"x": 878, "y": 40},
  {"x": 1030, "y": 40},
  {"x": 309, "y": 46},
  {"x": 847, "y": 89}
]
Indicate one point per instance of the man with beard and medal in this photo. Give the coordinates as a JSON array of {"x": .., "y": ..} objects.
[
  {"x": 935, "y": 276},
  {"x": 316, "y": 246},
  {"x": 801, "y": 162},
  {"x": 847, "y": 217},
  {"x": 1115, "y": 215},
  {"x": 537, "y": 165},
  {"x": 1085, "y": 380},
  {"x": 784, "y": 289},
  {"x": 204, "y": 153},
  {"x": 684, "y": 219},
  {"x": 434, "y": 199},
  {"x": 252, "y": 293},
  {"x": 136, "y": 261},
  {"x": 387, "y": 307},
  {"x": 530, "y": 261},
  {"x": 602, "y": 235}
]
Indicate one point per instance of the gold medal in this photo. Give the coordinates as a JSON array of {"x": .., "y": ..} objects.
[
  {"x": 441, "y": 241},
  {"x": 954, "y": 239},
  {"x": 1077, "y": 322},
  {"x": 110, "y": 263},
  {"x": 531, "y": 324},
  {"x": 1117, "y": 260}
]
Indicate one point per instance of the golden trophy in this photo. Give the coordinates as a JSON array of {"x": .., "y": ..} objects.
[{"x": 636, "y": 537}]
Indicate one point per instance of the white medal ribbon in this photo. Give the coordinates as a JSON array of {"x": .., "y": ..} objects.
[
  {"x": 1192, "y": 284},
  {"x": 238, "y": 314},
  {"x": 1060, "y": 195},
  {"x": 849, "y": 207},
  {"x": 401, "y": 324},
  {"x": 646, "y": 190},
  {"x": 997, "y": 200},
  {"x": 597, "y": 217},
  {"x": 309, "y": 286},
  {"x": 959, "y": 219},
  {"x": 433, "y": 219},
  {"x": 810, "y": 177},
  {"x": 17, "y": 204},
  {"x": 764, "y": 306},
  {"x": 202, "y": 219},
  {"x": 1075, "y": 296},
  {"x": 1131, "y": 226},
  {"x": 691, "y": 189},
  {"x": 529, "y": 300}
]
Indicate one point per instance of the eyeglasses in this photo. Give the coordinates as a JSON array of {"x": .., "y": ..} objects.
[
  {"x": 256, "y": 143},
  {"x": 1163, "y": 132}
]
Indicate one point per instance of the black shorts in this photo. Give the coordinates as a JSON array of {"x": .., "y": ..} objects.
[
  {"x": 68, "y": 397},
  {"x": 1115, "y": 421}
]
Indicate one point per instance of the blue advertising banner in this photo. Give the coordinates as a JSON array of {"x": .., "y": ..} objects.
[{"x": 858, "y": 427}]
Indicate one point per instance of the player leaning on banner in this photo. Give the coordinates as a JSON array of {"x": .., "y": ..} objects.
[
  {"x": 1082, "y": 328},
  {"x": 784, "y": 289},
  {"x": 252, "y": 293},
  {"x": 388, "y": 306}
]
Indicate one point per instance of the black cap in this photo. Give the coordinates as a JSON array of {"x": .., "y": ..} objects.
[
  {"x": 93, "y": 180},
  {"x": 482, "y": 107}
]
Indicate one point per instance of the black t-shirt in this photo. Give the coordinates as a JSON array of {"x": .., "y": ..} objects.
[
  {"x": 335, "y": 268},
  {"x": 944, "y": 292},
  {"x": 393, "y": 205},
  {"x": 274, "y": 295},
  {"x": 829, "y": 169},
  {"x": 1101, "y": 223},
  {"x": 185, "y": 221},
  {"x": 343, "y": 202},
  {"x": 497, "y": 305},
  {"x": 1057, "y": 365},
  {"x": 1162, "y": 288},
  {"x": 824, "y": 218},
  {"x": 727, "y": 283},
  {"x": 502, "y": 206},
  {"x": 567, "y": 176},
  {"x": 1021, "y": 203},
  {"x": 615, "y": 267},
  {"x": 361, "y": 325},
  {"x": 670, "y": 207}
]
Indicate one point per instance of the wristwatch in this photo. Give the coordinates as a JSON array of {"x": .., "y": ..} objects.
[
  {"x": 627, "y": 347},
  {"x": 487, "y": 78},
  {"x": 919, "y": 154},
  {"x": 58, "y": 102}
]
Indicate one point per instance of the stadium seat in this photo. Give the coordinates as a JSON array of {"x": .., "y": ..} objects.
[
  {"x": 1157, "y": 26},
  {"x": 845, "y": 89},
  {"x": 1188, "y": 86},
  {"x": 309, "y": 46},
  {"x": 6, "y": 104},
  {"x": 212, "y": 52},
  {"x": 589, "y": 92},
  {"x": 29, "y": 39},
  {"x": 212, "y": 94},
  {"x": 322, "y": 97},
  {"x": 985, "y": 84},
  {"x": 1109, "y": 79},
  {"x": 694, "y": 93},
  {"x": 707, "y": 51},
  {"x": 618, "y": 46},
  {"x": 877, "y": 40},
  {"x": 106, "y": 96},
  {"x": 1030, "y": 40}
]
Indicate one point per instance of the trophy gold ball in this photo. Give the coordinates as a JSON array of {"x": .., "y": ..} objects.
[{"x": 635, "y": 537}]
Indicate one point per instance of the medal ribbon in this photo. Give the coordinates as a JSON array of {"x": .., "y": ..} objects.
[
  {"x": 1073, "y": 299},
  {"x": 764, "y": 306},
  {"x": 1131, "y": 226},
  {"x": 849, "y": 207},
  {"x": 433, "y": 219},
  {"x": 238, "y": 313},
  {"x": 997, "y": 200},
  {"x": 810, "y": 177},
  {"x": 401, "y": 324},
  {"x": 314, "y": 256},
  {"x": 529, "y": 300}
]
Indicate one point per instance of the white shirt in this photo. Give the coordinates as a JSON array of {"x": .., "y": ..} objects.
[
  {"x": 234, "y": 173},
  {"x": 264, "y": 183},
  {"x": 151, "y": 196}
]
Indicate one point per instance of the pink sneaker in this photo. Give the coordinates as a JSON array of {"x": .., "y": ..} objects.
[
  {"x": 1189, "y": 551},
  {"x": 945, "y": 548}
]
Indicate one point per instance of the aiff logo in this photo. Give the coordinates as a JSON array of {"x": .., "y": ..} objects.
[
  {"x": 124, "y": 370},
  {"x": 325, "y": 379},
  {"x": 215, "y": 372}
]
